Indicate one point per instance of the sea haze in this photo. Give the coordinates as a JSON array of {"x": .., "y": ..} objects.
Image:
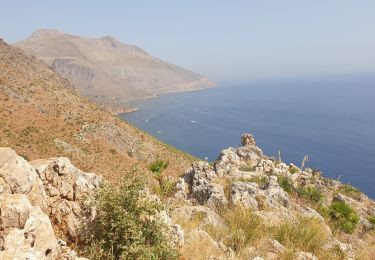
[{"x": 331, "y": 120}]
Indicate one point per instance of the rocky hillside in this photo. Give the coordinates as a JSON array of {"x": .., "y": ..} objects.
[
  {"x": 243, "y": 206},
  {"x": 42, "y": 116},
  {"x": 108, "y": 70},
  {"x": 249, "y": 206}
]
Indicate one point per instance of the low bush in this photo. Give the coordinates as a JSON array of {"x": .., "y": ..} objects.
[
  {"x": 343, "y": 217},
  {"x": 126, "y": 226}
]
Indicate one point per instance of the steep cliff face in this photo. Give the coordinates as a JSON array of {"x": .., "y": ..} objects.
[
  {"x": 108, "y": 70},
  {"x": 42, "y": 116}
]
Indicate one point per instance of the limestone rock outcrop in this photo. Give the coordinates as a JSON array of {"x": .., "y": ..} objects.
[
  {"x": 33, "y": 194},
  {"x": 275, "y": 192}
]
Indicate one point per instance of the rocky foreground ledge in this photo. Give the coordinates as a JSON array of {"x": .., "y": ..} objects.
[
  {"x": 245, "y": 205},
  {"x": 41, "y": 204}
]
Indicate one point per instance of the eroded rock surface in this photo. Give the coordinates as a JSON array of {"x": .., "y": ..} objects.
[
  {"x": 33, "y": 194},
  {"x": 273, "y": 190}
]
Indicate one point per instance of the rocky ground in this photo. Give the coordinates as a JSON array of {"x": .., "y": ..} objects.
[
  {"x": 245, "y": 205},
  {"x": 282, "y": 204},
  {"x": 41, "y": 206}
]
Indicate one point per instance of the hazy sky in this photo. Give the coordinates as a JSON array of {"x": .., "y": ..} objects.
[{"x": 226, "y": 40}]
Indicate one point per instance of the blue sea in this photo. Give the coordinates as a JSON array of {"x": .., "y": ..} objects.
[{"x": 332, "y": 120}]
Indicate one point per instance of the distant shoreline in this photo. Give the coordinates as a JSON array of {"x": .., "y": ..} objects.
[{"x": 135, "y": 109}]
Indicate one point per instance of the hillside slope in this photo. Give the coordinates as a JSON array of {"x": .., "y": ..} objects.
[
  {"x": 108, "y": 70},
  {"x": 42, "y": 116}
]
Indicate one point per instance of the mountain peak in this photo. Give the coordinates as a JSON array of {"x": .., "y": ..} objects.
[{"x": 42, "y": 32}]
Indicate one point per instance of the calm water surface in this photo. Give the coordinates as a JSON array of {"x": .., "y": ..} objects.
[{"x": 330, "y": 120}]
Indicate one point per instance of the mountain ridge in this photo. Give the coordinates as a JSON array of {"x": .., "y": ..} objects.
[{"x": 108, "y": 71}]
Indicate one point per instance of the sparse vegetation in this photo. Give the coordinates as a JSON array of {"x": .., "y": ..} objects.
[
  {"x": 303, "y": 234},
  {"x": 371, "y": 219},
  {"x": 293, "y": 169},
  {"x": 166, "y": 184},
  {"x": 126, "y": 226},
  {"x": 261, "y": 180},
  {"x": 192, "y": 223},
  {"x": 343, "y": 217},
  {"x": 241, "y": 227},
  {"x": 350, "y": 191},
  {"x": 285, "y": 183},
  {"x": 249, "y": 167},
  {"x": 313, "y": 194}
]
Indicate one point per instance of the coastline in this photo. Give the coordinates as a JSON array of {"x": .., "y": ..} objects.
[{"x": 135, "y": 109}]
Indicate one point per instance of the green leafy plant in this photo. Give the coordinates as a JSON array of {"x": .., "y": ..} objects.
[
  {"x": 126, "y": 226},
  {"x": 343, "y": 216},
  {"x": 166, "y": 185},
  {"x": 285, "y": 184},
  {"x": 158, "y": 166}
]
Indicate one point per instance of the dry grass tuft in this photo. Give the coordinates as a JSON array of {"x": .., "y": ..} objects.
[{"x": 242, "y": 226}]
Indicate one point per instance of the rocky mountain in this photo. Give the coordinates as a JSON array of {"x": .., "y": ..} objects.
[
  {"x": 107, "y": 70},
  {"x": 42, "y": 116}
]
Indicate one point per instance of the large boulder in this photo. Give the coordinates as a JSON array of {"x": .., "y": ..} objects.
[
  {"x": 227, "y": 163},
  {"x": 18, "y": 176},
  {"x": 67, "y": 188},
  {"x": 26, "y": 231},
  {"x": 31, "y": 194},
  {"x": 244, "y": 193}
]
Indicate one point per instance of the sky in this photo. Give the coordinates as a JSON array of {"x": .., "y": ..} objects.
[{"x": 225, "y": 40}]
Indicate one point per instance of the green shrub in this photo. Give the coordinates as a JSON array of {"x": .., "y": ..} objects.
[
  {"x": 285, "y": 184},
  {"x": 371, "y": 219},
  {"x": 343, "y": 216},
  {"x": 158, "y": 166},
  {"x": 126, "y": 226},
  {"x": 311, "y": 193}
]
